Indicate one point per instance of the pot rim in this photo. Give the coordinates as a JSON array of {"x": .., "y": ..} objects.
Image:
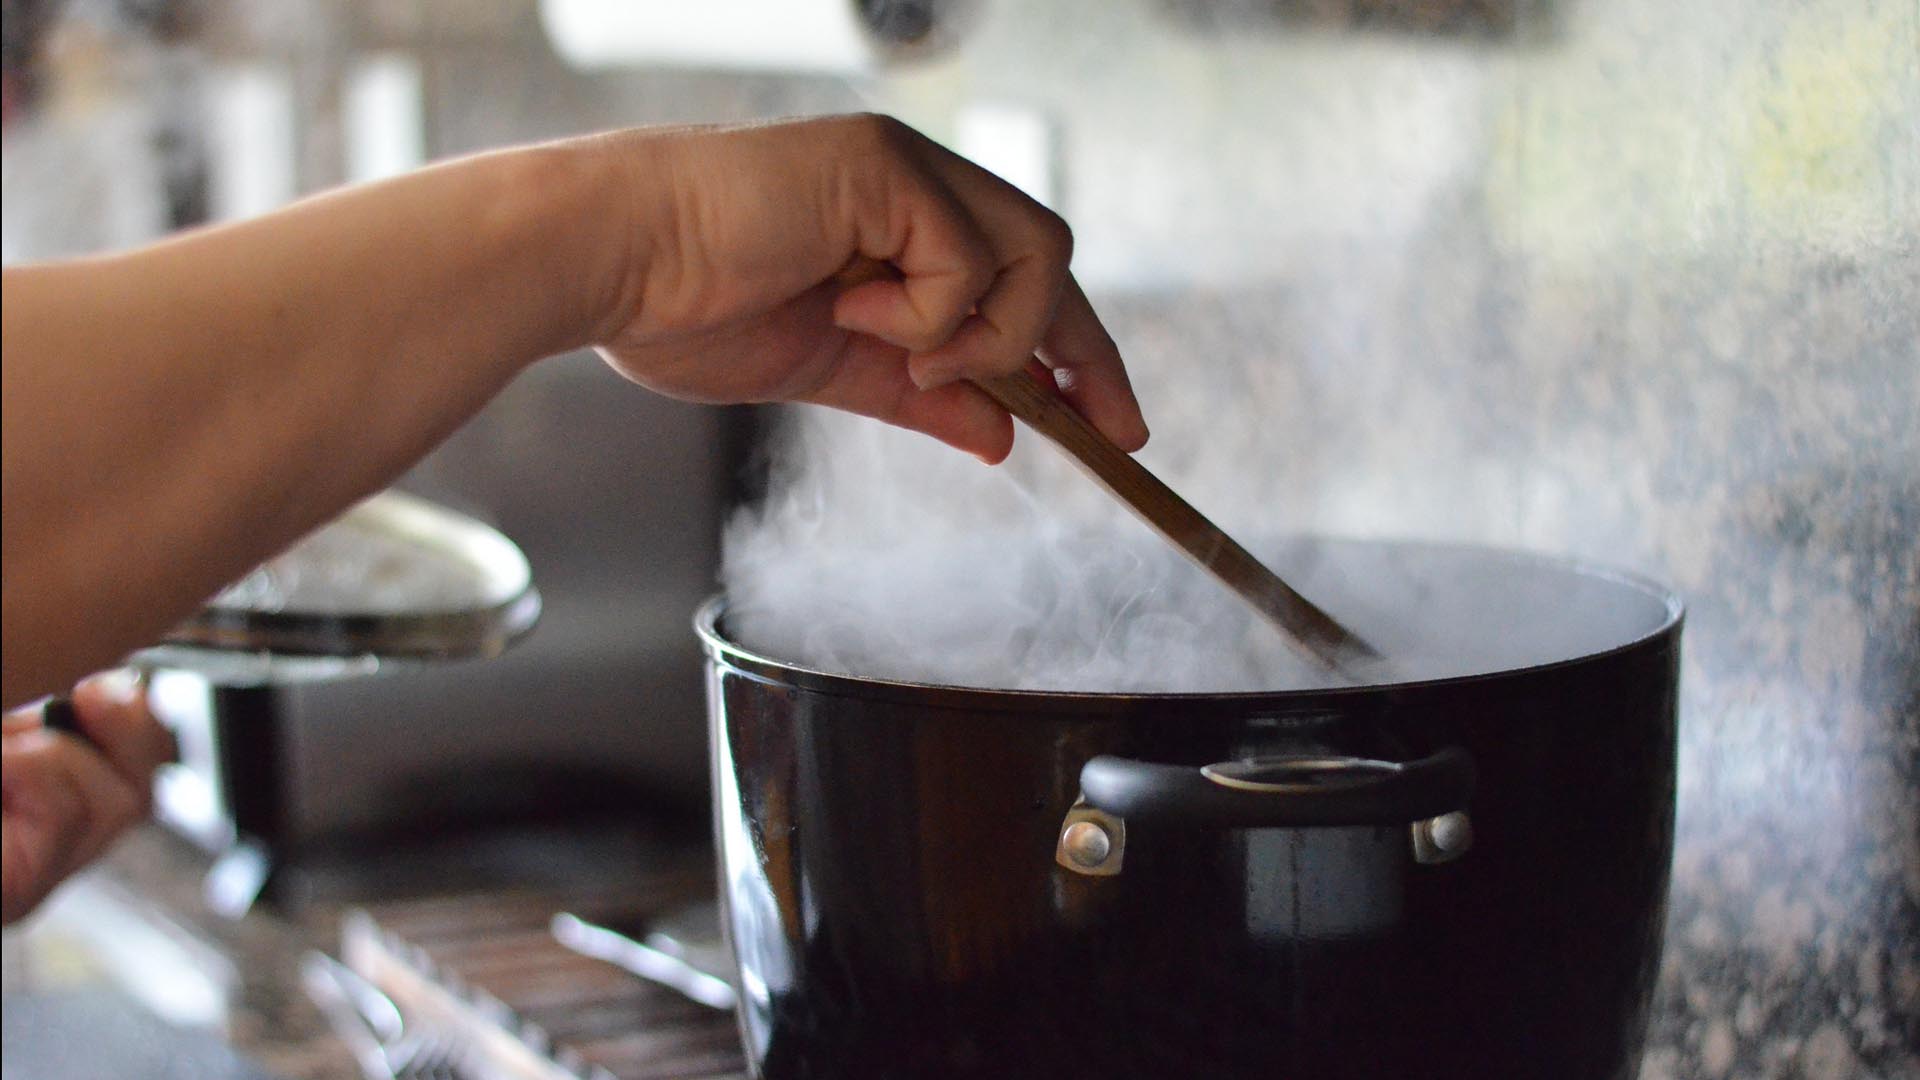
[{"x": 723, "y": 650}]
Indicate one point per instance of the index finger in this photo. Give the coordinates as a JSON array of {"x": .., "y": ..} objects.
[
  {"x": 1030, "y": 247},
  {"x": 115, "y": 716},
  {"x": 1089, "y": 372}
]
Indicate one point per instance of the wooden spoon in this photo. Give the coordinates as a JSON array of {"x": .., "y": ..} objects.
[{"x": 1310, "y": 629}]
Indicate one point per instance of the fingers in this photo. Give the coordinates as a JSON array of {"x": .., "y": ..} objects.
[
  {"x": 903, "y": 216},
  {"x": 1031, "y": 248},
  {"x": 67, "y": 798},
  {"x": 113, "y": 712},
  {"x": 979, "y": 283},
  {"x": 925, "y": 306},
  {"x": 1087, "y": 368},
  {"x": 64, "y": 805},
  {"x": 40, "y": 827},
  {"x": 872, "y": 380},
  {"x": 979, "y": 264}
]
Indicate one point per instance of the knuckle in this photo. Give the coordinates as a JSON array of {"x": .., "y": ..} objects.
[
  {"x": 1056, "y": 237},
  {"x": 882, "y": 130}
]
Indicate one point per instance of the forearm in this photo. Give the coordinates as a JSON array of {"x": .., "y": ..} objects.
[
  {"x": 197, "y": 405},
  {"x": 175, "y": 415}
]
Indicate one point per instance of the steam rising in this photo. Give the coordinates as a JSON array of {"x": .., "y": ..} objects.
[{"x": 883, "y": 554}]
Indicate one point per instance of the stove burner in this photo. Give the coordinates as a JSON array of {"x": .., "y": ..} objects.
[{"x": 486, "y": 969}]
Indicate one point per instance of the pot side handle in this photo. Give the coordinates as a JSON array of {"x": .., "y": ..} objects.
[{"x": 1298, "y": 790}]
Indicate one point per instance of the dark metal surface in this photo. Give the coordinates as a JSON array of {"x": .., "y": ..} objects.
[
  {"x": 269, "y": 628},
  {"x": 896, "y": 907},
  {"x": 1296, "y": 789},
  {"x": 652, "y": 956}
]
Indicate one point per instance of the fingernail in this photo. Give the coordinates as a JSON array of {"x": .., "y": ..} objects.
[{"x": 121, "y": 686}]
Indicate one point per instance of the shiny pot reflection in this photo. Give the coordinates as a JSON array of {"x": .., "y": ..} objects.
[{"x": 1452, "y": 878}]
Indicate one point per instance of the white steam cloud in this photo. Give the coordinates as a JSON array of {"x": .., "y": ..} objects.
[{"x": 881, "y": 553}]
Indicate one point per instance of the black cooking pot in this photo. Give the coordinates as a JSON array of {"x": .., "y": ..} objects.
[{"x": 1448, "y": 877}]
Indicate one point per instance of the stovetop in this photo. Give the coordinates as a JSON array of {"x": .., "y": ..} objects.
[
  {"x": 486, "y": 968},
  {"x": 458, "y": 935}
]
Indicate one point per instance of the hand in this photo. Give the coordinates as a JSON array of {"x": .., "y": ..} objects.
[
  {"x": 66, "y": 799},
  {"x": 751, "y": 277}
]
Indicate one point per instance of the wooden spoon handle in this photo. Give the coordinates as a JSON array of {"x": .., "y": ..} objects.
[{"x": 1045, "y": 411}]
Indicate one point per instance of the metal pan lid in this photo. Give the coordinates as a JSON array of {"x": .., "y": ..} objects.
[{"x": 395, "y": 578}]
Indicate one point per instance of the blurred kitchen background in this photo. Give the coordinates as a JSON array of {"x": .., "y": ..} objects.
[{"x": 1626, "y": 279}]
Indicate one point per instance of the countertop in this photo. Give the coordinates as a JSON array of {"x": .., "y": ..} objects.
[
  {"x": 130, "y": 959},
  {"x": 129, "y": 963},
  {"x": 133, "y": 968}
]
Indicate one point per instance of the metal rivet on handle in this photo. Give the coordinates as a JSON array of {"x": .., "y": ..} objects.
[
  {"x": 1086, "y": 844},
  {"x": 1091, "y": 842},
  {"x": 1443, "y": 838}
]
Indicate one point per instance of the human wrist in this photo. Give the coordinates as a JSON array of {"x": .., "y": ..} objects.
[
  {"x": 574, "y": 226},
  {"x": 616, "y": 177}
]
